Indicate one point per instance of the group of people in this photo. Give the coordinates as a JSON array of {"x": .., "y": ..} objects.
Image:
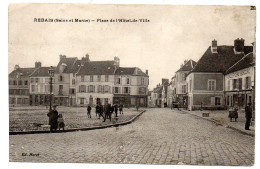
[
  {"x": 55, "y": 119},
  {"x": 105, "y": 111}
]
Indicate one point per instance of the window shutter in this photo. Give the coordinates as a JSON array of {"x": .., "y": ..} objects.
[{"x": 212, "y": 101}]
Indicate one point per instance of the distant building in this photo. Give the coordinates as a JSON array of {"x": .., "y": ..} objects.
[
  {"x": 206, "y": 81},
  {"x": 165, "y": 84},
  {"x": 156, "y": 96},
  {"x": 40, "y": 86},
  {"x": 19, "y": 82},
  {"x": 180, "y": 84}
]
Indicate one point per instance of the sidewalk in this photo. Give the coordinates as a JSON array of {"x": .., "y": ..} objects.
[{"x": 220, "y": 117}]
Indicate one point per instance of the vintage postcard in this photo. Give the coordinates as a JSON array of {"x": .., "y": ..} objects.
[{"x": 132, "y": 84}]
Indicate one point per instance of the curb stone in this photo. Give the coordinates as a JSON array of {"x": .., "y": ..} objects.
[
  {"x": 78, "y": 129},
  {"x": 227, "y": 126}
]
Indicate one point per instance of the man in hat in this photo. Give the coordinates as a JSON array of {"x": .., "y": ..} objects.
[
  {"x": 248, "y": 113},
  {"x": 53, "y": 119}
]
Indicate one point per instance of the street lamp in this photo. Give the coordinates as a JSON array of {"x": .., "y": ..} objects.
[{"x": 51, "y": 73}]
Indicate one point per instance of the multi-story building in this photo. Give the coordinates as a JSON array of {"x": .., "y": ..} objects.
[
  {"x": 40, "y": 86},
  {"x": 181, "y": 84},
  {"x": 131, "y": 86},
  {"x": 65, "y": 76},
  {"x": 105, "y": 82},
  {"x": 19, "y": 82},
  {"x": 239, "y": 82},
  {"x": 156, "y": 96},
  {"x": 206, "y": 81},
  {"x": 95, "y": 81}
]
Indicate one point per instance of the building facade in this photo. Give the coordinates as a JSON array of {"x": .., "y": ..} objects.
[
  {"x": 206, "y": 81},
  {"x": 19, "y": 84}
]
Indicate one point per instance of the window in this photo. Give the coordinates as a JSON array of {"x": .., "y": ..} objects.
[
  {"x": 142, "y": 81},
  {"x": 240, "y": 83},
  {"x": 106, "y": 89},
  {"x": 10, "y": 82},
  {"x": 126, "y": 90},
  {"x": 100, "y": 89},
  {"x": 25, "y": 82},
  {"x": 73, "y": 81},
  {"x": 117, "y": 81},
  {"x": 99, "y": 78},
  {"x": 117, "y": 90},
  {"x": 127, "y": 81},
  {"x": 228, "y": 85},
  {"x": 36, "y": 80},
  {"x": 235, "y": 84},
  {"x": 72, "y": 91},
  {"x": 81, "y": 100},
  {"x": 211, "y": 85},
  {"x": 142, "y": 90},
  {"x": 248, "y": 82},
  {"x": 60, "y": 78},
  {"x": 60, "y": 87},
  {"x": 91, "y": 78},
  {"x": 82, "y": 88},
  {"x": 15, "y": 82},
  {"x": 106, "y": 78},
  {"x": 32, "y": 80},
  {"x": 82, "y": 78},
  {"x": 33, "y": 88},
  {"x": 183, "y": 76},
  {"x": 20, "y": 82},
  {"x": 41, "y": 88},
  {"x": 183, "y": 88},
  {"x": 217, "y": 100},
  {"x": 91, "y": 88}
]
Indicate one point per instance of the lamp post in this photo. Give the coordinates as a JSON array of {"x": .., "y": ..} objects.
[{"x": 51, "y": 73}]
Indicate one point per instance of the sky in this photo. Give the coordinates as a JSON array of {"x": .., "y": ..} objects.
[{"x": 174, "y": 33}]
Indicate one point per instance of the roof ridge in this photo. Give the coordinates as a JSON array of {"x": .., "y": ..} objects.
[{"x": 238, "y": 62}]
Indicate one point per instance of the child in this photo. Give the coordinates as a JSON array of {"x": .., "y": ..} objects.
[{"x": 60, "y": 122}]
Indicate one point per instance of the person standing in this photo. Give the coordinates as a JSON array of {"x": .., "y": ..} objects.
[
  {"x": 53, "y": 119},
  {"x": 101, "y": 112},
  {"x": 248, "y": 114},
  {"x": 116, "y": 109},
  {"x": 121, "y": 109},
  {"x": 89, "y": 111},
  {"x": 97, "y": 110},
  {"x": 108, "y": 112}
]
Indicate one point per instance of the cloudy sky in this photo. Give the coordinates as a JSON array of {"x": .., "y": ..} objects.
[{"x": 174, "y": 33}]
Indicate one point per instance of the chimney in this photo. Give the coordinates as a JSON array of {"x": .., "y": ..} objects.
[
  {"x": 146, "y": 72},
  {"x": 87, "y": 58},
  {"x": 16, "y": 67},
  {"x": 62, "y": 57},
  {"x": 214, "y": 46},
  {"x": 116, "y": 62},
  {"x": 239, "y": 46},
  {"x": 38, "y": 64}
]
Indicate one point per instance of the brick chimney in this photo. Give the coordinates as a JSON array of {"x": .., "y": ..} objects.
[
  {"x": 214, "y": 46},
  {"x": 116, "y": 62},
  {"x": 62, "y": 57},
  {"x": 146, "y": 72},
  {"x": 38, "y": 64},
  {"x": 239, "y": 46},
  {"x": 16, "y": 67}
]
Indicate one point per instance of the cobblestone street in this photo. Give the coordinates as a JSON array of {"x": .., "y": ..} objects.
[{"x": 159, "y": 136}]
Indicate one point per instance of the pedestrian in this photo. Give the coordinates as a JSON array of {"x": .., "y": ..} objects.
[
  {"x": 61, "y": 123},
  {"x": 89, "y": 111},
  {"x": 121, "y": 108},
  {"x": 248, "y": 114},
  {"x": 116, "y": 109},
  {"x": 97, "y": 109},
  {"x": 108, "y": 112},
  {"x": 137, "y": 107},
  {"x": 178, "y": 105},
  {"x": 53, "y": 119},
  {"x": 101, "y": 112}
]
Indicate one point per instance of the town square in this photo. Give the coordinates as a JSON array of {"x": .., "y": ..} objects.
[{"x": 143, "y": 89}]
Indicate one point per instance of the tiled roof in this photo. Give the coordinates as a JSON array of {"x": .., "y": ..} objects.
[
  {"x": 70, "y": 65},
  {"x": 25, "y": 72},
  {"x": 97, "y": 68},
  {"x": 41, "y": 72},
  {"x": 129, "y": 71},
  {"x": 220, "y": 61},
  {"x": 188, "y": 66},
  {"x": 245, "y": 62}
]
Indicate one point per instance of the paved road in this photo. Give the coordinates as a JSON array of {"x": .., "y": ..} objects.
[{"x": 159, "y": 136}]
